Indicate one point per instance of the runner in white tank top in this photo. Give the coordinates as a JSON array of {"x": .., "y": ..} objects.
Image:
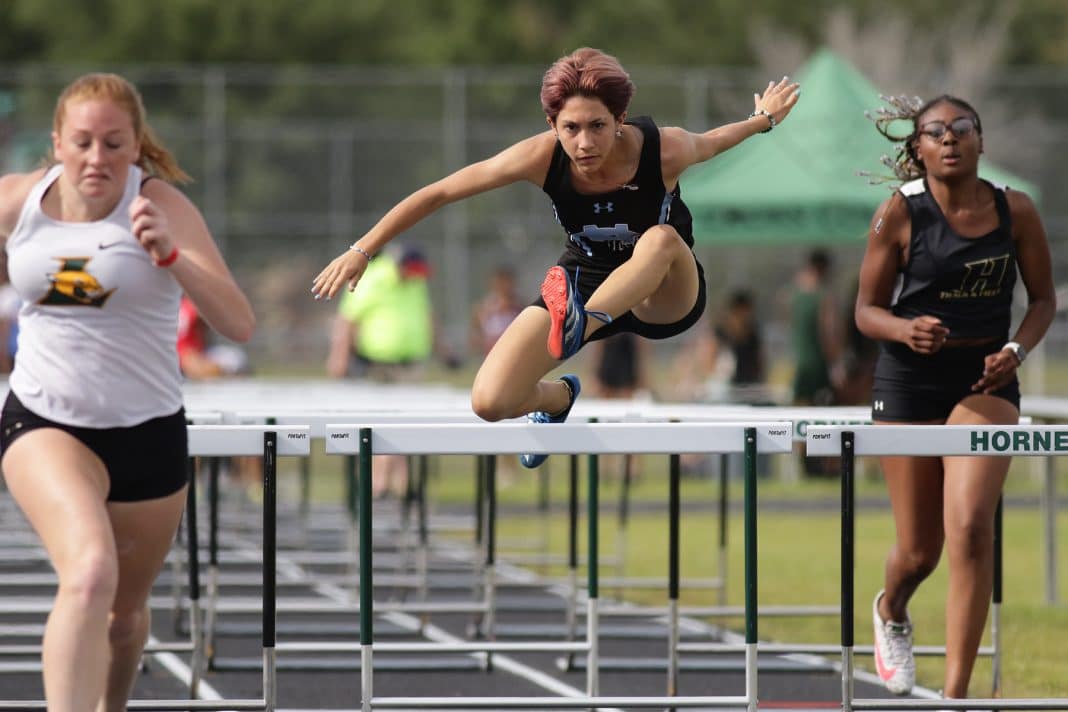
[{"x": 93, "y": 440}]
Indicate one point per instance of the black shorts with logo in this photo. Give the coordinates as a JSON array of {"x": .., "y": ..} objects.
[
  {"x": 912, "y": 387},
  {"x": 144, "y": 461},
  {"x": 590, "y": 278}
]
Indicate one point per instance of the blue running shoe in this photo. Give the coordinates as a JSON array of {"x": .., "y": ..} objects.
[
  {"x": 540, "y": 416},
  {"x": 567, "y": 313}
]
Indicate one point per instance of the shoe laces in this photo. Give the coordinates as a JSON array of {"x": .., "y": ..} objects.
[{"x": 899, "y": 640}]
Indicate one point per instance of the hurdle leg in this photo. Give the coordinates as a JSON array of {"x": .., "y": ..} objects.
[
  {"x": 490, "y": 574},
  {"x": 673, "y": 576},
  {"x": 366, "y": 575},
  {"x": 423, "y": 552},
  {"x": 571, "y": 610},
  {"x": 995, "y": 612},
  {"x": 624, "y": 517},
  {"x": 213, "y": 563},
  {"x": 270, "y": 541},
  {"x": 848, "y": 563},
  {"x": 195, "y": 632},
  {"x": 723, "y": 507},
  {"x": 592, "y": 628}
]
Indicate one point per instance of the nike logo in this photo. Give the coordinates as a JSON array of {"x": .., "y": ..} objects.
[
  {"x": 106, "y": 245},
  {"x": 884, "y": 672}
]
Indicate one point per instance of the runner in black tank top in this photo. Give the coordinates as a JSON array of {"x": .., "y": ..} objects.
[
  {"x": 615, "y": 185},
  {"x": 603, "y": 229},
  {"x": 935, "y": 290}
]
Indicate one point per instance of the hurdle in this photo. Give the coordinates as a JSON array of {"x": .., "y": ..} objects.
[
  {"x": 232, "y": 440},
  {"x": 930, "y": 440},
  {"x": 593, "y": 438}
]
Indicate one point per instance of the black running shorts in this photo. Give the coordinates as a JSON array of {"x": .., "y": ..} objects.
[
  {"x": 590, "y": 278},
  {"x": 915, "y": 387},
  {"x": 144, "y": 461}
]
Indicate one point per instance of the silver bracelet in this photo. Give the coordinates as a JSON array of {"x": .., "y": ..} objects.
[
  {"x": 764, "y": 112},
  {"x": 356, "y": 248}
]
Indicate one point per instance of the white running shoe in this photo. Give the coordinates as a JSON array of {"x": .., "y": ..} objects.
[{"x": 893, "y": 652}]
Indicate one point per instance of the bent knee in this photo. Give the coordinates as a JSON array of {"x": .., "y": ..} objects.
[
  {"x": 91, "y": 581},
  {"x": 488, "y": 405},
  {"x": 661, "y": 238},
  {"x": 918, "y": 564}
]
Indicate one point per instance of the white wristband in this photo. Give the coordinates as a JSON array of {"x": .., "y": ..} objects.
[{"x": 1019, "y": 351}]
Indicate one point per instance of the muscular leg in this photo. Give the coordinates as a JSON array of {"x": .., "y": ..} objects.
[
  {"x": 915, "y": 488},
  {"x": 972, "y": 488},
  {"x": 658, "y": 283},
  {"x": 144, "y": 533},
  {"x": 61, "y": 486},
  {"x": 508, "y": 384}
]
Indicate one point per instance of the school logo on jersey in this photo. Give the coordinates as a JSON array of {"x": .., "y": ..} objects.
[
  {"x": 982, "y": 278},
  {"x": 73, "y": 286}
]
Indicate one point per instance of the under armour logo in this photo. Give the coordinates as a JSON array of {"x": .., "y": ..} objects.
[
  {"x": 607, "y": 208},
  {"x": 877, "y": 405}
]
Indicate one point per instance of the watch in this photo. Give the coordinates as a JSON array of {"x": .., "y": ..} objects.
[{"x": 1019, "y": 351}]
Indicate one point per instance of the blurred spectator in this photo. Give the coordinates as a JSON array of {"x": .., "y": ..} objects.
[
  {"x": 727, "y": 361},
  {"x": 854, "y": 373},
  {"x": 816, "y": 332},
  {"x": 385, "y": 332},
  {"x": 9, "y": 316},
  {"x": 200, "y": 359},
  {"x": 817, "y": 345},
  {"x": 495, "y": 311}
]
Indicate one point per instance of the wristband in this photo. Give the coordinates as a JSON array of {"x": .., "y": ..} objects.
[
  {"x": 1019, "y": 351},
  {"x": 169, "y": 259},
  {"x": 356, "y": 248},
  {"x": 764, "y": 112}
]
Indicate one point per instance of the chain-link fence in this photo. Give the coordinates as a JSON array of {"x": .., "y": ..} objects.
[{"x": 293, "y": 164}]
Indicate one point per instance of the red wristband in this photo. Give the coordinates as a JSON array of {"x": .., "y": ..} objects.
[{"x": 169, "y": 259}]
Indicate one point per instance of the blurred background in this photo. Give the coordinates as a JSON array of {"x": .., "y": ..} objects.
[{"x": 303, "y": 121}]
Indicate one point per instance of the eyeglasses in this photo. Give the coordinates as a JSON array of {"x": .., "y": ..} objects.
[{"x": 964, "y": 126}]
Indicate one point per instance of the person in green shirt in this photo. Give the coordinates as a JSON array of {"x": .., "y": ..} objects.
[{"x": 385, "y": 331}]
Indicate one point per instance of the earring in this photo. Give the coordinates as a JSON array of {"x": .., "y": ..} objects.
[{"x": 619, "y": 132}]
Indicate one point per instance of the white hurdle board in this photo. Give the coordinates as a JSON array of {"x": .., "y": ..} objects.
[
  {"x": 236, "y": 440},
  {"x": 935, "y": 440},
  {"x": 558, "y": 438}
]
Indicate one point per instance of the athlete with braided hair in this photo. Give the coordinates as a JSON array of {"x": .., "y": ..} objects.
[{"x": 936, "y": 287}]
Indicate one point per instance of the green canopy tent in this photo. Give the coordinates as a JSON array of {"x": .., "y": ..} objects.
[{"x": 799, "y": 183}]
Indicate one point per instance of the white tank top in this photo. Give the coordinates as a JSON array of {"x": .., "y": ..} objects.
[{"x": 99, "y": 321}]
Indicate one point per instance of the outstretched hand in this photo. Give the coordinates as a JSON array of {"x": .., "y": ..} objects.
[
  {"x": 346, "y": 268},
  {"x": 778, "y": 99}
]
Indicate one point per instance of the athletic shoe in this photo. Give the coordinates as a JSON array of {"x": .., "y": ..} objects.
[
  {"x": 540, "y": 416},
  {"x": 567, "y": 332},
  {"x": 893, "y": 652}
]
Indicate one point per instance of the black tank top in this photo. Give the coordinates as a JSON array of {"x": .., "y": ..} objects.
[
  {"x": 965, "y": 282},
  {"x": 604, "y": 227}
]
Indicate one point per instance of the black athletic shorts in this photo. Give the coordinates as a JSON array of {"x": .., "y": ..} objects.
[
  {"x": 144, "y": 461},
  {"x": 911, "y": 387},
  {"x": 591, "y": 277}
]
